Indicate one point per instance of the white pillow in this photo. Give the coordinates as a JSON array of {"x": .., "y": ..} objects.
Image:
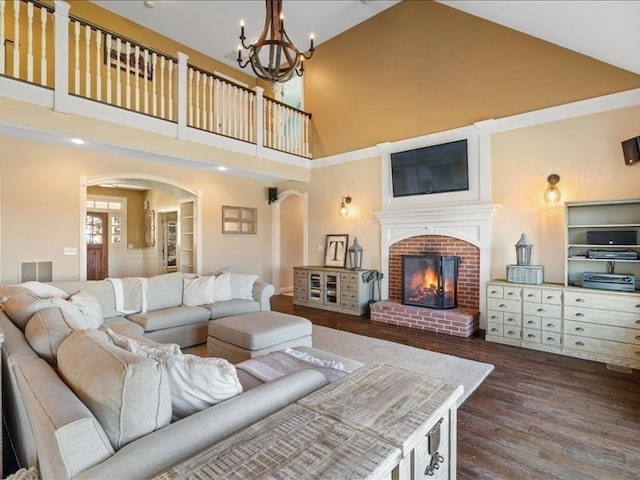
[
  {"x": 44, "y": 290},
  {"x": 242, "y": 285},
  {"x": 74, "y": 318},
  {"x": 198, "y": 291},
  {"x": 197, "y": 382},
  {"x": 222, "y": 287},
  {"x": 89, "y": 307},
  {"x": 141, "y": 346}
]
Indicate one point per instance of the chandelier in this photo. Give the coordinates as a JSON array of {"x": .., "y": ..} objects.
[{"x": 273, "y": 56}]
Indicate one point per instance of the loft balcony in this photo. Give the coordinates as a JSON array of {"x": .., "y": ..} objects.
[{"x": 55, "y": 60}]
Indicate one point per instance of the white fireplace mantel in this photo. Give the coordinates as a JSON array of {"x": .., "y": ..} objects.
[{"x": 468, "y": 222}]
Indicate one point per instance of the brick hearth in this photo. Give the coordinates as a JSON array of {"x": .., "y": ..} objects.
[{"x": 462, "y": 321}]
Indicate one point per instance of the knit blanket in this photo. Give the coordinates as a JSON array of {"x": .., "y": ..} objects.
[
  {"x": 276, "y": 364},
  {"x": 130, "y": 294}
]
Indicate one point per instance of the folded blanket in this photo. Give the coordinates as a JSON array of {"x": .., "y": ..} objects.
[
  {"x": 276, "y": 364},
  {"x": 130, "y": 294}
]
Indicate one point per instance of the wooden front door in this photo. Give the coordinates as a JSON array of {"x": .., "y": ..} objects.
[{"x": 97, "y": 238}]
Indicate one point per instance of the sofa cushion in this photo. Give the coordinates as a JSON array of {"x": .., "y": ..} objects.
[
  {"x": 123, "y": 326},
  {"x": 198, "y": 291},
  {"x": 22, "y": 306},
  {"x": 89, "y": 307},
  {"x": 170, "y": 317},
  {"x": 231, "y": 307},
  {"x": 102, "y": 289},
  {"x": 128, "y": 394},
  {"x": 165, "y": 291},
  {"x": 140, "y": 344},
  {"x": 72, "y": 314},
  {"x": 222, "y": 287},
  {"x": 242, "y": 285},
  {"x": 46, "y": 331}
]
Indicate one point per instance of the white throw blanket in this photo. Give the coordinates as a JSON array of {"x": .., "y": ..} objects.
[
  {"x": 130, "y": 294},
  {"x": 276, "y": 364}
]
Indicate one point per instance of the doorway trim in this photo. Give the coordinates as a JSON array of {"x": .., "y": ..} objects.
[
  {"x": 276, "y": 231},
  {"x": 118, "y": 177}
]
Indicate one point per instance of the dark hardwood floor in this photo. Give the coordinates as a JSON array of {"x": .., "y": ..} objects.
[{"x": 537, "y": 416}]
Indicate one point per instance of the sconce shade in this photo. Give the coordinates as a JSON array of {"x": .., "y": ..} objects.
[
  {"x": 355, "y": 255},
  {"x": 552, "y": 194},
  {"x": 344, "y": 211}
]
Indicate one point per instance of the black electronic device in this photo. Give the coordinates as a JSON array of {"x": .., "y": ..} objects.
[
  {"x": 609, "y": 281},
  {"x": 273, "y": 194},
  {"x": 631, "y": 150},
  {"x": 612, "y": 237},
  {"x": 613, "y": 254}
]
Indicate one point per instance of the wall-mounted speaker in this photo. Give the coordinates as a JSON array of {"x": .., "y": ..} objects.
[
  {"x": 273, "y": 194},
  {"x": 631, "y": 150}
]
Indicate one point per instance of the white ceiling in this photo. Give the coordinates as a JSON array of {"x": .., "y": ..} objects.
[{"x": 605, "y": 30}]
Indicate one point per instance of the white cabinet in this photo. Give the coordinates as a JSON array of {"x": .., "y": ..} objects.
[
  {"x": 335, "y": 289},
  {"x": 187, "y": 259}
]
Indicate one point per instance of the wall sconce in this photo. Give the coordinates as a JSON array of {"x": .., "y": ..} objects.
[
  {"x": 552, "y": 194},
  {"x": 344, "y": 211}
]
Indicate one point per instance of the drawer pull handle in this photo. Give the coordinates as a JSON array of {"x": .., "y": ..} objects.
[
  {"x": 531, "y": 295},
  {"x": 494, "y": 329},
  {"x": 531, "y": 322},
  {"x": 550, "y": 325},
  {"x": 579, "y": 315},
  {"x": 511, "y": 332},
  {"x": 540, "y": 310},
  {"x": 638, "y": 306},
  {"x": 637, "y": 337},
  {"x": 551, "y": 339},
  {"x": 494, "y": 292},
  {"x": 531, "y": 335},
  {"x": 638, "y": 322},
  {"x": 493, "y": 317},
  {"x": 511, "y": 320},
  {"x": 579, "y": 300},
  {"x": 510, "y": 294},
  {"x": 502, "y": 305},
  {"x": 579, "y": 344},
  {"x": 579, "y": 329},
  {"x": 551, "y": 297}
]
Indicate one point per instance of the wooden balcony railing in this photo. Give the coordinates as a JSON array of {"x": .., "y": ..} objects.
[{"x": 45, "y": 46}]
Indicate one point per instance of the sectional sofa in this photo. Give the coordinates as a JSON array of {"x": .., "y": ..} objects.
[{"x": 80, "y": 404}]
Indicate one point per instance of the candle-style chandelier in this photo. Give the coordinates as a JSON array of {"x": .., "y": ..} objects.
[{"x": 273, "y": 56}]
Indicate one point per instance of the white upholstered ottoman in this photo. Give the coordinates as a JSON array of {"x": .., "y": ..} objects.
[{"x": 249, "y": 335}]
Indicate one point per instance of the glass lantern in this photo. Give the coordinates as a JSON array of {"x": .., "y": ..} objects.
[
  {"x": 523, "y": 250},
  {"x": 355, "y": 255}
]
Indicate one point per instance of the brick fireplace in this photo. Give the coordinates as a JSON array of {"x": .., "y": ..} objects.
[{"x": 463, "y": 231}]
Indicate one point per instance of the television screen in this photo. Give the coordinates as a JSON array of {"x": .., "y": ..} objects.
[{"x": 434, "y": 169}]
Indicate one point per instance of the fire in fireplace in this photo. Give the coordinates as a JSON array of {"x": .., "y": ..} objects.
[{"x": 430, "y": 281}]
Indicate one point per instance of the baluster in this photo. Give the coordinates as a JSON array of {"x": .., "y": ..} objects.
[
  {"x": 148, "y": 72},
  {"x": 223, "y": 107},
  {"x": 2, "y": 37},
  {"x": 98, "y": 65},
  {"x": 216, "y": 105},
  {"x": 154, "y": 83},
  {"x": 108, "y": 50},
  {"x": 171, "y": 66},
  {"x": 162, "y": 87},
  {"x": 29, "y": 42},
  {"x": 266, "y": 122},
  {"x": 251, "y": 117},
  {"x": 197, "y": 100},
  {"x": 137, "y": 77},
  {"x": 43, "y": 43},
  {"x": 16, "y": 36},
  {"x": 306, "y": 135},
  {"x": 128, "y": 75},
  {"x": 211, "y": 104},
  {"x": 118, "y": 73},
  {"x": 242, "y": 114},
  {"x": 190, "y": 96},
  {"x": 76, "y": 63},
  {"x": 87, "y": 60}
]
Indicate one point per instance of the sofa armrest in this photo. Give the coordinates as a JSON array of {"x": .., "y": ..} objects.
[
  {"x": 156, "y": 452},
  {"x": 262, "y": 293}
]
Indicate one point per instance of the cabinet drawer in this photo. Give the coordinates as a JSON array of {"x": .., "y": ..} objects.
[
  {"x": 511, "y": 332},
  {"x": 495, "y": 291},
  {"x": 299, "y": 273},
  {"x": 604, "y": 347},
  {"x": 542, "y": 310},
  {"x": 551, "y": 325},
  {"x": 495, "y": 329},
  {"x": 300, "y": 280},
  {"x": 550, "y": 296},
  {"x": 529, "y": 321},
  {"x": 348, "y": 287},
  {"x": 602, "y": 317},
  {"x": 513, "y": 319},
  {"x": 603, "y": 301},
  {"x": 502, "y": 305},
  {"x": 551, "y": 338},
  {"x": 605, "y": 332},
  {"x": 531, "y": 336},
  {"x": 495, "y": 317},
  {"x": 349, "y": 277}
]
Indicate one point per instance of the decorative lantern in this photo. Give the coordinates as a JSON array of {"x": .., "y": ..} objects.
[
  {"x": 523, "y": 250},
  {"x": 355, "y": 255}
]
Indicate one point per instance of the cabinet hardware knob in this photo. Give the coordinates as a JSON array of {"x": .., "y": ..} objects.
[
  {"x": 493, "y": 317},
  {"x": 579, "y": 300},
  {"x": 494, "y": 292},
  {"x": 511, "y": 332},
  {"x": 580, "y": 344},
  {"x": 531, "y": 335},
  {"x": 541, "y": 310},
  {"x": 511, "y": 320},
  {"x": 502, "y": 305},
  {"x": 494, "y": 329},
  {"x": 580, "y": 315},
  {"x": 551, "y": 339},
  {"x": 531, "y": 322},
  {"x": 550, "y": 325},
  {"x": 579, "y": 329},
  {"x": 511, "y": 293},
  {"x": 550, "y": 297},
  {"x": 531, "y": 295}
]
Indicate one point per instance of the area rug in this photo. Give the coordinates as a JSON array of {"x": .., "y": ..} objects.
[{"x": 468, "y": 373}]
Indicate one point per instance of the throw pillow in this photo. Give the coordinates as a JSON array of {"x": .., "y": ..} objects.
[
  {"x": 242, "y": 285},
  {"x": 45, "y": 290},
  {"x": 89, "y": 307},
  {"x": 22, "y": 306},
  {"x": 46, "y": 331},
  {"x": 198, "y": 291},
  {"x": 140, "y": 345},
  {"x": 222, "y": 287},
  {"x": 197, "y": 382},
  {"x": 71, "y": 313}
]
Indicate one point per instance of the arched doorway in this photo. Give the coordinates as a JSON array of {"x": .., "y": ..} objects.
[
  {"x": 140, "y": 247},
  {"x": 290, "y": 238}
]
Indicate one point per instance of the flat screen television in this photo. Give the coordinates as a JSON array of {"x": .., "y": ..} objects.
[{"x": 433, "y": 169}]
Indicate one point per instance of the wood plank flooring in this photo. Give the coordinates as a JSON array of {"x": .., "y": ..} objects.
[{"x": 537, "y": 416}]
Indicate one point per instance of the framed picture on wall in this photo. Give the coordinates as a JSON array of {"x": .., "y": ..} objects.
[{"x": 335, "y": 250}]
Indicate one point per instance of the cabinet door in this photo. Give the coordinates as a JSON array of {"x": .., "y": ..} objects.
[
  {"x": 331, "y": 288},
  {"x": 316, "y": 292}
]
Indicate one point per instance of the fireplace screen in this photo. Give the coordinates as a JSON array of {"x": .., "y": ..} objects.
[{"x": 430, "y": 281}]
